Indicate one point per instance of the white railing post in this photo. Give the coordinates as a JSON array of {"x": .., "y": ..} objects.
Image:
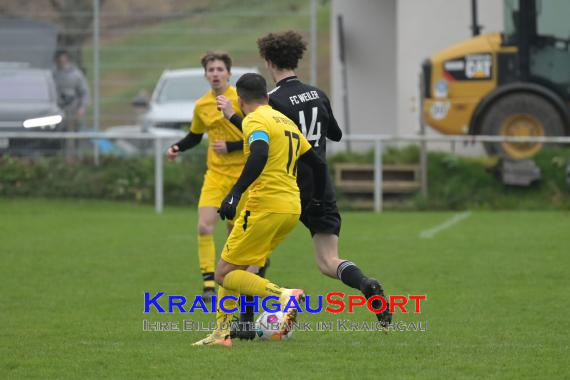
[
  {"x": 158, "y": 176},
  {"x": 96, "y": 72},
  {"x": 313, "y": 46},
  {"x": 378, "y": 175},
  {"x": 424, "y": 168}
]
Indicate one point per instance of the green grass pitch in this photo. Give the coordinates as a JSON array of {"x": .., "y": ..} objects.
[{"x": 73, "y": 276}]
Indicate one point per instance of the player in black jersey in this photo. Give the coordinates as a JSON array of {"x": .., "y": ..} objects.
[{"x": 310, "y": 109}]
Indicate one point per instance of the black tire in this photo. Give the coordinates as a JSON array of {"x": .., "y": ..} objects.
[{"x": 526, "y": 105}]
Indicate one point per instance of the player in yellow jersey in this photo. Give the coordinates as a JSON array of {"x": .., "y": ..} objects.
[
  {"x": 310, "y": 109},
  {"x": 272, "y": 144},
  {"x": 225, "y": 157}
]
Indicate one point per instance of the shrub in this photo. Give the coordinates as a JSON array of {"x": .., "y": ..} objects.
[{"x": 454, "y": 182}]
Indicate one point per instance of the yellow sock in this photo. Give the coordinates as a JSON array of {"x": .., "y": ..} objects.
[
  {"x": 250, "y": 284},
  {"x": 224, "y": 319},
  {"x": 207, "y": 258}
]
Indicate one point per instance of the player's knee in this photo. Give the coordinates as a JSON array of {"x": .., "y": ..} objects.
[
  {"x": 219, "y": 276},
  {"x": 205, "y": 228}
]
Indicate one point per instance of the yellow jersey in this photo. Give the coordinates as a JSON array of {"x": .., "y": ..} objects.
[
  {"x": 275, "y": 190},
  {"x": 208, "y": 119}
]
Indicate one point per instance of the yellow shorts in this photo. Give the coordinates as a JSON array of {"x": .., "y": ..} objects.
[
  {"x": 255, "y": 235},
  {"x": 215, "y": 188}
]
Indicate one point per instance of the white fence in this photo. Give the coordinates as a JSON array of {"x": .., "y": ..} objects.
[{"x": 162, "y": 142}]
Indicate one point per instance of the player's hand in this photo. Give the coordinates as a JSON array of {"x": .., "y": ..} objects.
[
  {"x": 316, "y": 208},
  {"x": 172, "y": 152},
  {"x": 220, "y": 147},
  {"x": 229, "y": 204},
  {"x": 225, "y": 105}
]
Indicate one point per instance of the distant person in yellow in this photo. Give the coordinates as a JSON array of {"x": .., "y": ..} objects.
[
  {"x": 272, "y": 144},
  {"x": 225, "y": 157}
]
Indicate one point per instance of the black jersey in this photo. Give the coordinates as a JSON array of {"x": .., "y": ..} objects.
[{"x": 310, "y": 109}]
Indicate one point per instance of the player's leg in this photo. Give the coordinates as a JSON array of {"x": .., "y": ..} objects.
[
  {"x": 230, "y": 225},
  {"x": 256, "y": 269},
  {"x": 244, "y": 282},
  {"x": 326, "y": 254},
  {"x": 221, "y": 336},
  {"x": 214, "y": 189},
  {"x": 246, "y": 247},
  {"x": 246, "y": 318},
  {"x": 244, "y": 330},
  {"x": 251, "y": 246},
  {"x": 207, "y": 218},
  {"x": 326, "y": 249},
  {"x": 325, "y": 231}
]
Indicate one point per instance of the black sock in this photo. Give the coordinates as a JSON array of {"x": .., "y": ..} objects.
[
  {"x": 263, "y": 269},
  {"x": 208, "y": 280},
  {"x": 248, "y": 315},
  {"x": 350, "y": 274}
]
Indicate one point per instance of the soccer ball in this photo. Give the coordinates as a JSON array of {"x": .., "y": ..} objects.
[{"x": 269, "y": 326}]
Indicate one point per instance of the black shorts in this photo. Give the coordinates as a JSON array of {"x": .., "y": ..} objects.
[{"x": 329, "y": 223}]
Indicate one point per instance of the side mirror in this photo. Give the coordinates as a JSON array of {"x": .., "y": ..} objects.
[{"x": 140, "y": 101}]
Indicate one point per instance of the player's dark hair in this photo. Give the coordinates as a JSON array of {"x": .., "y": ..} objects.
[
  {"x": 217, "y": 55},
  {"x": 283, "y": 49},
  {"x": 251, "y": 87}
]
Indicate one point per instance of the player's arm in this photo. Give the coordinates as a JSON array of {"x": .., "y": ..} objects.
[
  {"x": 233, "y": 146},
  {"x": 236, "y": 120},
  {"x": 259, "y": 151},
  {"x": 223, "y": 147},
  {"x": 193, "y": 138},
  {"x": 333, "y": 131},
  {"x": 319, "y": 168},
  {"x": 189, "y": 141},
  {"x": 225, "y": 105}
]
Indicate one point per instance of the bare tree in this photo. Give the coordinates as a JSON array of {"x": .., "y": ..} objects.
[{"x": 76, "y": 20}]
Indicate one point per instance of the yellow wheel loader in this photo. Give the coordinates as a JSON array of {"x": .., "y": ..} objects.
[{"x": 514, "y": 83}]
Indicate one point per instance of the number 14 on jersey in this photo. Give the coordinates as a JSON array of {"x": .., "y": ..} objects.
[{"x": 314, "y": 132}]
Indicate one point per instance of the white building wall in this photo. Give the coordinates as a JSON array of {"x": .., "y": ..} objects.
[
  {"x": 386, "y": 41},
  {"x": 370, "y": 41}
]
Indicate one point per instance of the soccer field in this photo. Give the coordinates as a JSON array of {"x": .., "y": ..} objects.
[{"x": 73, "y": 277}]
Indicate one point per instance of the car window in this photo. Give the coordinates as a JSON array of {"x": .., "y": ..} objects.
[
  {"x": 182, "y": 89},
  {"x": 23, "y": 87}
]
